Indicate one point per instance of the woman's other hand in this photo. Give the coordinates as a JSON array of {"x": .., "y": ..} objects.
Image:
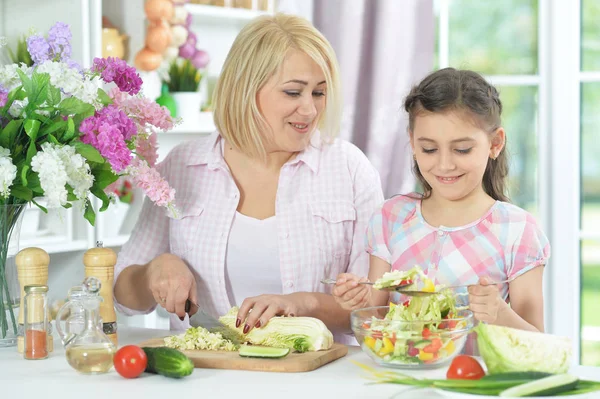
[{"x": 255, "y": 312}]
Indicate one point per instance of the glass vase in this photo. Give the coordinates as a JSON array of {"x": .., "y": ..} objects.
[{"x": 11, "y": 217}]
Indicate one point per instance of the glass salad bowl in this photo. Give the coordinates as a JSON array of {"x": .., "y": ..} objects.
[{"x": 414, "y": 344}]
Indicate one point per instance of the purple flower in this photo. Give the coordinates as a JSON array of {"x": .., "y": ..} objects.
[
  {"x": 59, "y": 39},
  {"x": 38, "y": 48},
  {"x": 3, "y": 96},
  {"x": 116, "y": 70}
]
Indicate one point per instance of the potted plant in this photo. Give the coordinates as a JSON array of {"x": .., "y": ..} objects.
[
  {"x": 65, "y": 139},
  {"x": 183, "y": 83}
]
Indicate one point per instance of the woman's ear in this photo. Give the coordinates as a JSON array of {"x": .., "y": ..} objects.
[{"x": 497, "y": 143}]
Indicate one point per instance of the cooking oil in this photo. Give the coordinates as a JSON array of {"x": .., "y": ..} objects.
[{"x": 91, "y": 358}]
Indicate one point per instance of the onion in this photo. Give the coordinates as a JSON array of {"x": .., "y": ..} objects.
[
  {"x": 147, "y": 60},
  {"x": 158, "y": 9},
  {"x": 200, "y": 59},
  {"x": 180, "y": 34},
  {"x": 187, "y": 51}
]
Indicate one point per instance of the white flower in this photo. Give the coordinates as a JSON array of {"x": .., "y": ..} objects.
[
  {"x": 8, "y": 172},
  {"x": 72, "y": 82},
  {"x": 58, "y": 166},
  {"x": 16, "y": 108},
  {"x": 9, "y": 77},
  {"x": 78, "y": 171}
]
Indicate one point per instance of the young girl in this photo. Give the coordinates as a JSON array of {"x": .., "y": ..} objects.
[{"x": 461, "y": 229}]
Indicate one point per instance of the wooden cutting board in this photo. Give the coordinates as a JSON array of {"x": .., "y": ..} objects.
[{"x": 292, "y": 363}]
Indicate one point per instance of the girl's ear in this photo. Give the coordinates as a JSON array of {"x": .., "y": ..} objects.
[{"x": 497, "y": 142}]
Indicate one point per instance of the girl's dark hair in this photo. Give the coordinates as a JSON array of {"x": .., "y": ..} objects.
[{"x": 466, "y": 91}]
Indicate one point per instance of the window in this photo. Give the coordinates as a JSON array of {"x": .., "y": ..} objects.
[
  {"x": 544, "y": 57},
  {"x": 590, "y": 182},
  {"x": 500, "y": 41}
]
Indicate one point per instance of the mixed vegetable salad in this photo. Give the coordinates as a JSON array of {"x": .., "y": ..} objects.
[{"x": 420, "y": 330}]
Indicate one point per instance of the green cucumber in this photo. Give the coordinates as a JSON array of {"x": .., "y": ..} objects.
[
  {"x": 263, "y": 351},
  {"x": 422, "y": 344},
  {"x": 168, "y": 362},
  {"x": 516, "y": 375},
  {"x": 543, "y": 387}
]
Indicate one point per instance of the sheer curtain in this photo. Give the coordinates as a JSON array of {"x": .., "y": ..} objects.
[{"x": 383, "y": 47}]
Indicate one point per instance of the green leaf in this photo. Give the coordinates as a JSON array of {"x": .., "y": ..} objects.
[
  {"x": 67, "y": 205},
  {"x": 20, "y": 94},
  {"x": 24, "y": 174},
  {"x": 98, "y": 192},
  {"x": 104, "y": 98},
  {"x": 31, "y": 151},
  {"x": 104, "y": 176},
  {"x": 39, "y": 206},
  {"x": 53, "y": 96},
  {"x": 27, "y": 82},
  {"x": 88, "y": 152},
  {"x": 72, "y": 105},
  {"x": 9, "y": 133},
  {"x": 53, "y": 139},
  {"x": 53, "y": 126},
  {"x": 32, "y": 127},
  {"x": 34, "y": 183},
  {"x": 70, "y": 133},
  {"x": 89, "y": 213},
  {"x": 21, "y": 192},
  {"x": 41, "y": 81}
]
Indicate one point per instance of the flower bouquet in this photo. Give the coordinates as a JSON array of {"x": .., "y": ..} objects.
[{"x": 65, "y": 138}]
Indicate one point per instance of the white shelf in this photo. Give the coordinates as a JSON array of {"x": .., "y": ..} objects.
[
  {"x": 225, "y": 13},
  {"x": 204, "y": 125},
  {"x": 55, "y": 244},
  {"x": 115, "y": 241}
]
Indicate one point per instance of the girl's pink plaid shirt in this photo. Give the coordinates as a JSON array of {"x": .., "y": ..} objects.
[
  {"x": 505, "y": 243},
  {"x": 324, "y": 200}
]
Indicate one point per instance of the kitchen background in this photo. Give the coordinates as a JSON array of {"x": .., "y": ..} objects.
[{"x": 543, "y": 55}]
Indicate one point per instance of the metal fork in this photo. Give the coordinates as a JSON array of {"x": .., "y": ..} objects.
[
  {"x": 392, "y": 288},
  {"x": 452, "y": 287}
]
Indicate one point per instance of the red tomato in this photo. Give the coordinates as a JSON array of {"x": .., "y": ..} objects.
[
  {"x": 426, "y": 333},
  {"x": 130, "y": 361},
  {"x": 465, "y": 368}
]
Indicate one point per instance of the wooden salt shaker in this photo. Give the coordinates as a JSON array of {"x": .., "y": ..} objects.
[
  {"x": 32, "y": 269},
  {"x": 100, "y": 263}
]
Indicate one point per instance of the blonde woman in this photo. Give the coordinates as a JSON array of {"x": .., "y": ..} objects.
[{"x": 270, "y": 203}]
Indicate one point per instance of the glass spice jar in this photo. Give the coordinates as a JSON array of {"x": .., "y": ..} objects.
[{"x": 36, "y": 322}]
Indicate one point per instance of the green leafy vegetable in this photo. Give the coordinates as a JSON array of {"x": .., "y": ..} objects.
[{"x": 506, "y": 349}]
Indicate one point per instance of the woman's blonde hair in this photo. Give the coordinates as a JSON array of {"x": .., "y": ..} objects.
[{"x": 255, "y": 56}]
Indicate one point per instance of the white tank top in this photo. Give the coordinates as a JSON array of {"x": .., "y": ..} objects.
[{"x": 252, "y": 260}]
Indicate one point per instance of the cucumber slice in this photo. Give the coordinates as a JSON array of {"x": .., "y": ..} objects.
[
  {"x": 263, "y": 351},
  {"x": 423, "y": 343},
  {"x": 543, "y": 387}
]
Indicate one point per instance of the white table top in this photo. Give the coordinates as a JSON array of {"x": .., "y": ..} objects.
[{"x": 54, "y": 378}]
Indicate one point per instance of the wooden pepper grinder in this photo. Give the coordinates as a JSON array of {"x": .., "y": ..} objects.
[
  {"x": 100, "y": 263},
  {"x": 32, "y": 269}
]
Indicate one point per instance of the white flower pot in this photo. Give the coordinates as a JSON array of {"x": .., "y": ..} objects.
[
  {"x": 188, "y": 107},
  {"x": 114, "y": 217}
]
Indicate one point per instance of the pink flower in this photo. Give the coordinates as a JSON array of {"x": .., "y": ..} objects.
[
  {"x": 143, "y": 110},
  {"x": 146, "y": 148},
  {"x": 149, "y": 180}
]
